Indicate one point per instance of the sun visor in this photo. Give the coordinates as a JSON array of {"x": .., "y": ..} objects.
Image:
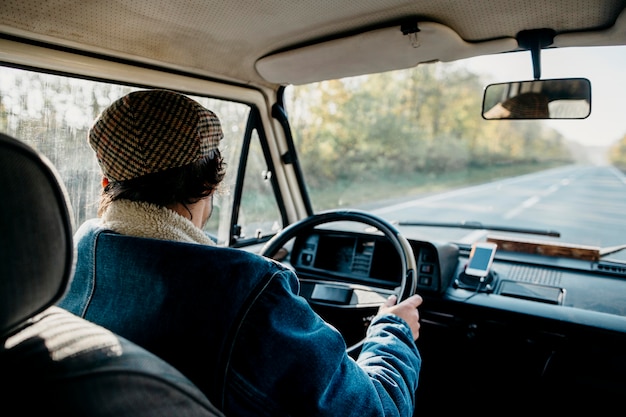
[
  {"x": 374, "y": 51},
  {"x": 615, "y": 34}
]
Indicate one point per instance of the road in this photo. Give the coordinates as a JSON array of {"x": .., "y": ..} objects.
[{"x": 586, "y": 204}]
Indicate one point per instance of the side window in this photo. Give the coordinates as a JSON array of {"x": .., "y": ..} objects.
[
  {"x": 245, "y": 208},
  {"x": 53, "y": 113},
  {"x": 258, "y": 214},
  {"x": 234, "y": 118}
]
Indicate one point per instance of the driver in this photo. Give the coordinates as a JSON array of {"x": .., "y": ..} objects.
[
  {"x": 231, "y": 320},
  {"x": 528, "y": 105}
]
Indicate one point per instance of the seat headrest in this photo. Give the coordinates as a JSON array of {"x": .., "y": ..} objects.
[{"x": 36, "y": 255}]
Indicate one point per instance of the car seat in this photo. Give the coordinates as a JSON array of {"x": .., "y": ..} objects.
[{"x": 52, "y": 361}]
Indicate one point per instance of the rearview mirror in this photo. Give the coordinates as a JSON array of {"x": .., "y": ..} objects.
[{"x": 566, "y": 98}]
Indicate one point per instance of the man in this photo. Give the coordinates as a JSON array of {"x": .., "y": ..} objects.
[
  {"x": 229, "y": 319},
  {"x": 522, "y": 106}
]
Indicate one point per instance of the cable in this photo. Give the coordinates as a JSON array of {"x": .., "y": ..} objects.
[{"x": 477, "y": 290}]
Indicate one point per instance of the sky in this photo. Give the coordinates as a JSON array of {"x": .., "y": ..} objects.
[{"x": 604, "y": 67}]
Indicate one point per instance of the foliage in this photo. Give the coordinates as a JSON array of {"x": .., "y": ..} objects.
[
  {"x": 423, "y": 121},
  {"x": 617, "y": 154}
]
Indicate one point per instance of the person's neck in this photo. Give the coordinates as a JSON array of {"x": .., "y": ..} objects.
[{"x": 194, "y": 212}]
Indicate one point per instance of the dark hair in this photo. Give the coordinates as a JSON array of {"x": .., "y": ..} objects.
[
  {"x": 186, "y": 184},
  {"x": 528, "y": 105}
]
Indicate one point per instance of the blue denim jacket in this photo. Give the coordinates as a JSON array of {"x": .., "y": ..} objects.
[{"x": 233, "y": 322}]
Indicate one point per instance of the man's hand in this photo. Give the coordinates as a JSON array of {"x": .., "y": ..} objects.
[{"x": 406, "y": 310}]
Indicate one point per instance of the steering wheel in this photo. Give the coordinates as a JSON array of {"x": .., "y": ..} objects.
[{"x": 398, "y": 241}]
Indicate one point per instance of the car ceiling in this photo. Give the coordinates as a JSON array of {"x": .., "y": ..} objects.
[{"x": 274, "y": 42}]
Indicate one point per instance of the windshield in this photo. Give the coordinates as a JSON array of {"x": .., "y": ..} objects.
[{"x": 412, "y": 146}]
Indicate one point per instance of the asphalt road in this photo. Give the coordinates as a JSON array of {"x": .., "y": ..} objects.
[{"x": 586, "y": 204}]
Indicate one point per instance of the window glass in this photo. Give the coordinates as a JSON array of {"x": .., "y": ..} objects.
[
  {"x": 53, "y": 114},
  {"x": 258, "y": 214}
]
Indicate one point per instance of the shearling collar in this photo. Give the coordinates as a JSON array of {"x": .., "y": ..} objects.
[{"x": 141, "y": 219}]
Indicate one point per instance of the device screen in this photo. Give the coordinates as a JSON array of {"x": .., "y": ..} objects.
[{"x": 481, "y": 259}]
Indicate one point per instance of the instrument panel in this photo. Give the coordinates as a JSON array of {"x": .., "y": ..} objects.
[{"x": 370, "y": 260}]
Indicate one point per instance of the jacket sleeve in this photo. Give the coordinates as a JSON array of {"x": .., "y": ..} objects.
[
  {"x": 287, "y": 361},
  {"x": 391, "y": 359}
]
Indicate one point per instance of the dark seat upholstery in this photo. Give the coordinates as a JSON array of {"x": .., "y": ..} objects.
[{"x": 53, "y": 361}]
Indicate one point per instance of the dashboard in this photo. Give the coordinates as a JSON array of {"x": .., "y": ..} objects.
[
  {"x": 366, "y": 262},
  {"x": 351, "y": 269},
  {"x": 543, "y": 326}
]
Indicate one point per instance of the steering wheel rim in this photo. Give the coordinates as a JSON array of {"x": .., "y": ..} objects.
[{"x": 400, "y": 243}]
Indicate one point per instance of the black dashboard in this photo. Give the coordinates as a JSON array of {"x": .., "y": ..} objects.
[
  {"x": 369, "y": 261},
  {"x": 342, "y": 268},
  {"x": 542, "y": 325}
]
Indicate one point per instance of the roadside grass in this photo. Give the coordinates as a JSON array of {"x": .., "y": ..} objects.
[{"x": 371, "y": 191}]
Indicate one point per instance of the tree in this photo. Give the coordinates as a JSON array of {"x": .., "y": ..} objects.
[{"x": 617, "y": 154}]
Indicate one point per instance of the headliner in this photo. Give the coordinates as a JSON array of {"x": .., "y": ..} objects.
[{"x": 273, "y": 42}]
